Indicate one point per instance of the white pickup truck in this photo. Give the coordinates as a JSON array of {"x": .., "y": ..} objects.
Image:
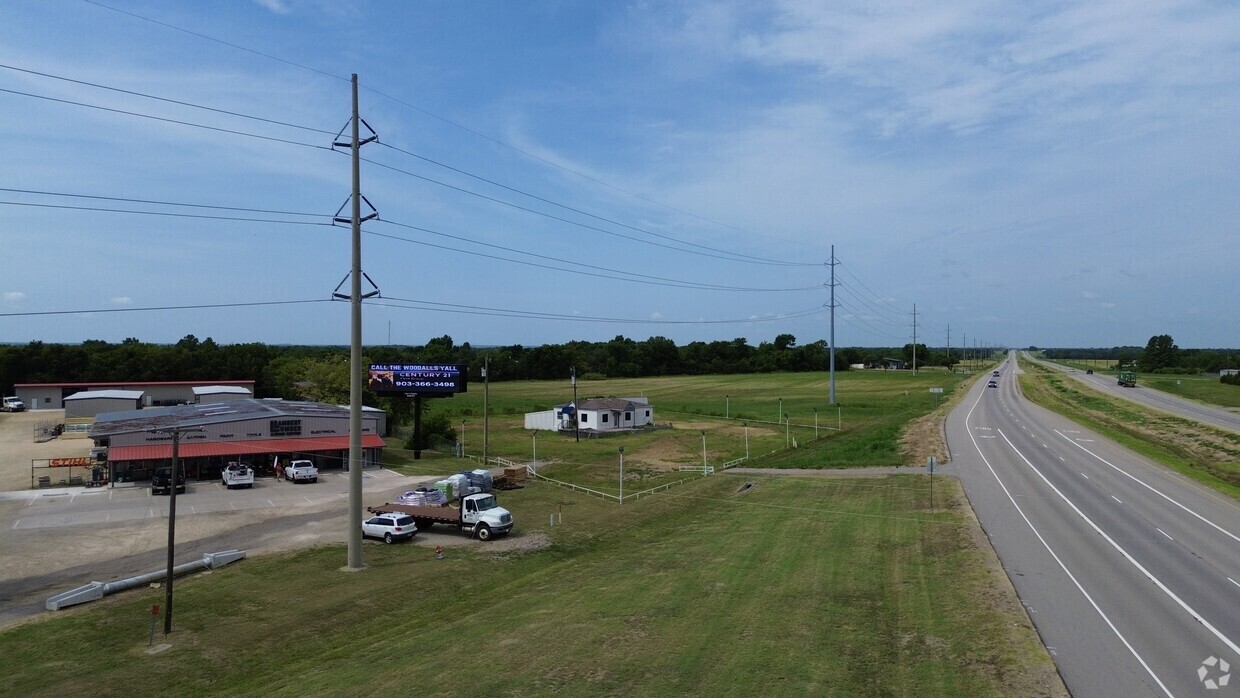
[
  {"x": 301, "y": 471},
  {"x": 237, "y": 475}
]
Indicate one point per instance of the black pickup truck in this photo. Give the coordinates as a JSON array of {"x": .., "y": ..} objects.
[{"x": 162, "y": 479}]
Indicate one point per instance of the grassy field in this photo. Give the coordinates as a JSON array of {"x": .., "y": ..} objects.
[
  {"x": 1206, "y": 454},
  {"x": 873, "y": 406},
  {"x": 796, "y": 586}
]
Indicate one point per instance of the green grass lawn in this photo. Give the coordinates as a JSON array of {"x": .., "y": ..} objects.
[
  {"x": 798, "y": 586},
  {"x": 861, "y": 430}
]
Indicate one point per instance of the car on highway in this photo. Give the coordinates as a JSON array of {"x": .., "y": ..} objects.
[
  {"x": 1089, "y": 371},
  {"x": 992, "y": 384},
  {"x": 995, "y": 374},
  {"x": 389, "y": 527}
]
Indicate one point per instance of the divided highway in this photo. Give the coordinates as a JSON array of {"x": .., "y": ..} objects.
[
  {"x": 1151, "y": 397},
  {"x": 1130, "y": 572}
]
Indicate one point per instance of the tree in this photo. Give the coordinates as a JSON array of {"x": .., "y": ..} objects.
[{"x": 1160, "y": 352}]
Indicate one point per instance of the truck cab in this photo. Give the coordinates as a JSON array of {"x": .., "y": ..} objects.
[
  {"x": 483, "y": 515},
  {"x": 14, "y": 404}
]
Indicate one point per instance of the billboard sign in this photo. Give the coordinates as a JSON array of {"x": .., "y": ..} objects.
[{"x": 427, "y": 380}]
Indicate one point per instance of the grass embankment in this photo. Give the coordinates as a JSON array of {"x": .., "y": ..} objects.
[
  {"x": 873, "y": 408},
  {"x": 1208, "y": 455},
  {"x": 797, "y": 586}
]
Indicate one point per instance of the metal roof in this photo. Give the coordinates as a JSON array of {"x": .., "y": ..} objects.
[
  {"x": 240, "y": 448},
  {"x": 215, "y": 389},
  {"x": 202, "y": 414},
  {"x": 131, "y": 383},
  {"x": 610, "y": 403},
  {"x": 106, "y": 394}
]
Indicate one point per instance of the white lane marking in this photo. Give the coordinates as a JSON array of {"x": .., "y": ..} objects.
[
  {"x": 1163, "y": 532},
  {"x": 233, "y": 505},
  {"x": 1116, "y": 498},
  {"x": 192, "y": 510},
  {"x": 1061, "y": 458},
  {"x": 15, "y": 524},
  {"x": 1088, "y": 441},
  {"x": 1132, "y": 477},
  {"x": 1132, "y": 650},
  {"x": 306, "y": 498},
  {"x": 1084, "y": 476},
  {"x": 270, "y": 502},
  {"x": 1149, "y": 575},
  {"x": 1233, "y": 581}
]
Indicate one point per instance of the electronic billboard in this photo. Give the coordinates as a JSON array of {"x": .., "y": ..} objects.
[{"x": 426, "y": 380}]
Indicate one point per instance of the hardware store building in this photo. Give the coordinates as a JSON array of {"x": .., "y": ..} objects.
[{"x": 257, "y": 432}]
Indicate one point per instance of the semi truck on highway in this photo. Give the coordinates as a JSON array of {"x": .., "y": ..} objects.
[
  {"x": 478, "y": 514},
  {"x": 1127, "y": 379}
]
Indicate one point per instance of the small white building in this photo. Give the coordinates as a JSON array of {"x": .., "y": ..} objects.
[
  {"x": 597, "y": 415},
  {"x": 613, "y": 413}
]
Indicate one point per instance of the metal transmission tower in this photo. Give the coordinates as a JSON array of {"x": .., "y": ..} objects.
[
  {"x": 914, "y": 339},
  {"x": 355, "y": 297},
  {"x": 832, "y": 263}
]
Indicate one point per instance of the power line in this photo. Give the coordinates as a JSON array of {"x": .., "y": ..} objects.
[
  {"x": 166, "y": 99},
  {"x": 536, "y": 315},
  {"x": 156, "y": 202},
  {"x": 162, "y": 307},
  {"x": 637, "y": 278},
  {"x": 166, "y": 119},
  {"x": 170, "y": 214},
  {"x": 561, "y": 219},
  {"x": 425, "y": 112},
  {"x": 740, "y": 257}
]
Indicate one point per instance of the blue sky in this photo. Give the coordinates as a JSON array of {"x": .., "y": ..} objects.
[{"x": 1059, "y": 174}]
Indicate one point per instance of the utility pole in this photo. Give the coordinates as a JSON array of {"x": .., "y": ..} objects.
[
  {"x": 914, "y": 339},
  {"x": 175, "y": 432},
  {"x": 355, "y": 143},
  {"x": 949, "y": 349},
  {"x": 576, "y": 412},
  {"x": 832, "y": 263},
  {"x": 486, "y": 413}
]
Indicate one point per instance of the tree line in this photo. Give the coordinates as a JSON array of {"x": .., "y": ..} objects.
[
  {"x": 321, "y": 372},
  {"x": 1160, "y": 355}
]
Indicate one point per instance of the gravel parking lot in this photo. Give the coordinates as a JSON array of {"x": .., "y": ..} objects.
[{"x": 60, "y": 538}]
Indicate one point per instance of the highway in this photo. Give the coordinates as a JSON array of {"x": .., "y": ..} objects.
[
  {"x": 1130, "y": 572},
  {"x": 1150, "y": 397}
]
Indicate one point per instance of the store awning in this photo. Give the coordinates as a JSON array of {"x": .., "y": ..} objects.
[{"x": 163, "y": 451}]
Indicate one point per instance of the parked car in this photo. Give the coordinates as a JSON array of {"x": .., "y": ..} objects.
[
  {"x": 14, "y": 404},
  {"x": 301, "y": 471},
  {"x": 161, "y": 481},
  {"x": 389, "y": 527},
  {"x": 237, "y": 475},
  {"x": 992, "y": 384}
]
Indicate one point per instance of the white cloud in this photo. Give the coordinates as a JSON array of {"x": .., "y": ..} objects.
[
  {"x": 14, "y": 297},
  {"x": 277, "y": 6},
  {"x": 121, "y": 300},
  {"x": 1106, "y": 304},
  {"x": 656, "y": 315}
]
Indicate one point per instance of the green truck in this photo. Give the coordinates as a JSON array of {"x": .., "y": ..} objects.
[{"x": 1127, "y": 379}]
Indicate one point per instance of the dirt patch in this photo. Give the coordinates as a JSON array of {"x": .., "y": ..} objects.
[
  {"x": 18, "y": 447},
  {"x": 923, "y": 437}
]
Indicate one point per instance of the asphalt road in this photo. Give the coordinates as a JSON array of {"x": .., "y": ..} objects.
[
  {"x": 1151, "y": 397},
  {"x": 1130, "y": 572}
]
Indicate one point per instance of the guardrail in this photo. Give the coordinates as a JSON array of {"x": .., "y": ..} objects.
[{"x": 704, "y": 469}]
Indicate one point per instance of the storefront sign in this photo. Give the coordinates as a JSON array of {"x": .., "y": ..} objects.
[{"x": 70, "y": 462}]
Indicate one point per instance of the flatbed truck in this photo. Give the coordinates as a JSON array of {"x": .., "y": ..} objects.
[
  {"x": 1127, "y": 379},
  {"x": 478, "y": 514}
]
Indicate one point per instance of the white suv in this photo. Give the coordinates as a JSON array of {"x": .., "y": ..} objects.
[{"x": 389, "y": 527}]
